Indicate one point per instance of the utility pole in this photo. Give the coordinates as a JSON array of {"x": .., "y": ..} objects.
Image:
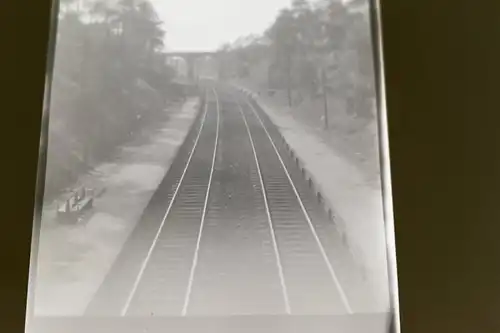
[
  {"x": 325, "y": 97},
  {"x": 289, "y": 78}
]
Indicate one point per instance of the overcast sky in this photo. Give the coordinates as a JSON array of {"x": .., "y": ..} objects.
[{"x": 204, "y": 25}]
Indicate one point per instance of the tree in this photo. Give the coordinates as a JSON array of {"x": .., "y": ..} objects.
[
  {"x": 315, "y": 46},
  {"x": 109, "y": 76},
  {"x": 285, "y": 38}
]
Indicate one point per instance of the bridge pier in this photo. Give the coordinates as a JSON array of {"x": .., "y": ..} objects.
[
  {"x": 191, "y": 61},
  {"x": 190, "y": 58}
]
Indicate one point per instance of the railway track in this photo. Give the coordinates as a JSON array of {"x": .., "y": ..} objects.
[{"x": 233, "y": 229}]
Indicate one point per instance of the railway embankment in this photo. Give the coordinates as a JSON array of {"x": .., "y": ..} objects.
[
  {"x": 74, "y": 259},
  {"x": 355, "y": 206}
]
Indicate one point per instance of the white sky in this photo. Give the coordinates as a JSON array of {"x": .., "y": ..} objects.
[{"x": 204, "y": 25}]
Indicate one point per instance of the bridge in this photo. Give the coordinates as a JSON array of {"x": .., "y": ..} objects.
[{"x": 190, "y": 57}]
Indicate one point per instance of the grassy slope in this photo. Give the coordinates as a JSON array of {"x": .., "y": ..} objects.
[{"x": 353, "y": 138}]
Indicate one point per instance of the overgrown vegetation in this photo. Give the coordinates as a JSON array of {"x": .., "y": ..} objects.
[
  {"x": 316, "y": 58},
  {"x": 307, "y": 40},
  {"x": 109, "y": 79}
]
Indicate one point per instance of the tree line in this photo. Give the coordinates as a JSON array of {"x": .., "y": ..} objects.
[
  {"x": 109, "y": 78},
  {"x": 315, "y": 48}
]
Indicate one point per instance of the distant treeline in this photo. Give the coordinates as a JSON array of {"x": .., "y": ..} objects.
[
  {"x": 311, "y": 43},
  {"x": 110, "y": 76}
]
